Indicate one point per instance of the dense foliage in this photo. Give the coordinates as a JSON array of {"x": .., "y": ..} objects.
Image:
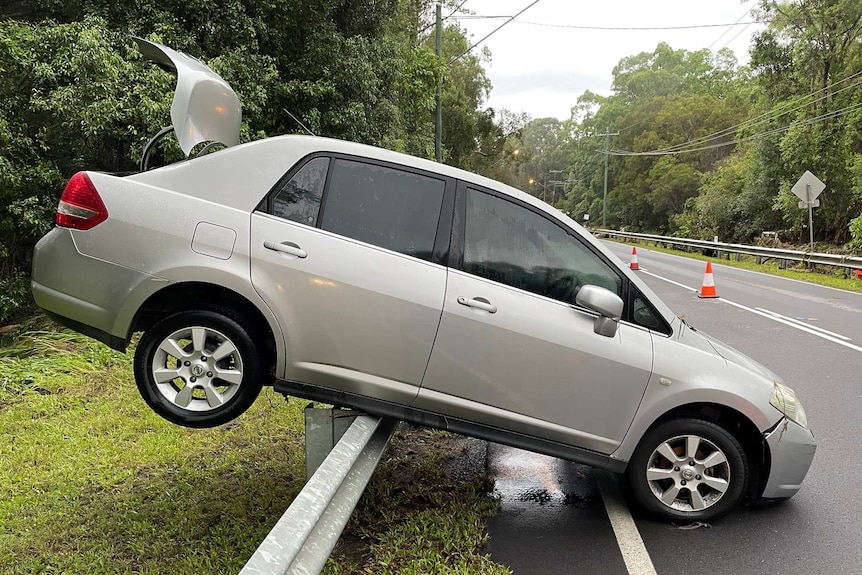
[{"x": 77, "y": 95}]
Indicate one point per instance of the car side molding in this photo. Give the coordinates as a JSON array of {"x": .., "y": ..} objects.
[{"x": 446, "y": 423}]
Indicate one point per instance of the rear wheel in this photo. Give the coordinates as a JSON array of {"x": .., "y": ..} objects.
[
  {"x": 688, "y": 470},
  {"x": 199, "y": 368}
]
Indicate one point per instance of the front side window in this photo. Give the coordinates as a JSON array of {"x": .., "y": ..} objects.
[
  {"x": 383, "y": 206},
  {"x": 510, "y": 244},
  {"x": 299, "y": 199}
]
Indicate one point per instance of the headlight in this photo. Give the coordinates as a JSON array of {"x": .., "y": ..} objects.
[{"x": 784, "y": 400}]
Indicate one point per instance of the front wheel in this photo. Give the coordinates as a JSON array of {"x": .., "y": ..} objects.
[
  {"x": 688, "y": 470},
  {"x": 198, "y": 368}
]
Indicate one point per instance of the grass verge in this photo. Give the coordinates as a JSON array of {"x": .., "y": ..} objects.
[
  {"x": 424, "y": 512},
  {"x": 93, "y": 482},
  {"x": 821, "y": 275}
]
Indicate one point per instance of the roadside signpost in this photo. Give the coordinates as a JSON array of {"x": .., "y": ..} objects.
[{"x": 807, "y": 189}]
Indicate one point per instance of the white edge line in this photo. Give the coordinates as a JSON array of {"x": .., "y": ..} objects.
[
  {"x": 797, "y": 326},
  {"x": 668, "y": 281},
  {"x": 632, "y": 548},
  {"x": 769, "y": 316},
  {"x": 714, "y": 263},
  {"x": 808, "y": 325}
]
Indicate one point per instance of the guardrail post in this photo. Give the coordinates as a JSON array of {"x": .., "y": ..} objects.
[{"x": 323, "y": 429}]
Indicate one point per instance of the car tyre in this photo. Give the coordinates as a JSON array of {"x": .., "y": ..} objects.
[
  {"x": 199, "y": 368},
  {"x": 688, "y": 470}
]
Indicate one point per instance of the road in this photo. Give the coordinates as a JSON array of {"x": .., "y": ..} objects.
[{"x": 554, "y": 516}]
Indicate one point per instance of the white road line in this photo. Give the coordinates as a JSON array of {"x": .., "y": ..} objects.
[
  {"x": 668, "y": 281},
  {"x": 774, "y": 317},
  {"x": 725, "y": 266},
  {"x": 794, "y": 320},
  {"x": 635, "y": 554}
]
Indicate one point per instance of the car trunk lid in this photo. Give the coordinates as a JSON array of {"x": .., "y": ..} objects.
[{"x": 205, "y": 108}]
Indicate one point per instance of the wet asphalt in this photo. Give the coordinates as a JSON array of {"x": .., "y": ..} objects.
[{"x": 549, "y": 509}]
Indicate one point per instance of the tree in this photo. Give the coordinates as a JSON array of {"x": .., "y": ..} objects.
[
  {"x": 665, "y": 72},
  {"x": 663, "y": 100},
  {"x": 74, "y": 98},
  {"x": 806, "y": 62}
]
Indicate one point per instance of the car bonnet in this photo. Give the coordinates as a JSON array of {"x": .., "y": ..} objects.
[
  {"x": 696, "y": 338},
  {"x": 205, "y": 108}
]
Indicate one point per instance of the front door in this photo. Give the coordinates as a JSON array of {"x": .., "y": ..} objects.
[{"x": 513, "y": 351}]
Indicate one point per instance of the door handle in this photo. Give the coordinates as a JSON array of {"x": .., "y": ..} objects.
[
  {"x": 286, "y": 248},
  {"x": 478, "y": 303}
]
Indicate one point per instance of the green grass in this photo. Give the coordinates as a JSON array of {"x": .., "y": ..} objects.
[
  {"x": 419, "y": 517},
  {"x": 821, "y": 275},
  {"x": 93, "y": 482}
]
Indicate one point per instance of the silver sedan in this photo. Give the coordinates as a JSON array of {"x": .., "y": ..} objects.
[{"x": 362, "y": 277}]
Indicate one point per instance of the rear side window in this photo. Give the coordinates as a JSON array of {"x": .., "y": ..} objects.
[
  {"x": 383, "y": 206},
  {"x": 508, "y": 243},
  {"x": 299, "y": 199}
]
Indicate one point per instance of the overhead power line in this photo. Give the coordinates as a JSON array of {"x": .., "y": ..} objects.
[
  {"x": 729, "y": 28},
  {"x": 734, "y": 37},
  {"x": 452, "y": 13},
  {"x": 457, "y": 8},
  {"x": 826, "y": 116},
  {"x": 637, "y": 28},
  {"x": 494, "y": 31},
  {"x": 771, "y": 115}
]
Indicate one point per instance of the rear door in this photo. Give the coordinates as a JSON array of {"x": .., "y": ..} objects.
[
  {"x": 344, "y": 253},
  {"x": 513, "y": 350}
]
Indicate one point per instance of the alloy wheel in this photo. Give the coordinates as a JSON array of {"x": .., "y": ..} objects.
[
  {"x": 688, "y": 473},
  {"x": 197, "y": 368}
]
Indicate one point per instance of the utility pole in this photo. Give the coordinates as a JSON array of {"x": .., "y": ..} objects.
[
  {"x": 607, "y": 136},
  {"x": 554, "y": 183},
  {"x": 438, "y": 119}
]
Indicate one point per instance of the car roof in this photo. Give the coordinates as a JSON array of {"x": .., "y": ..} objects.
[
  {"x": 262, "y": 163},
  {"x": 373, "y": 152}
]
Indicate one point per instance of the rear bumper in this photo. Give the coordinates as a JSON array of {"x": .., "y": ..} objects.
[
  {"x": 81, "y": 292},
  {"x": 792, "y": 450},
  {"x": 111, "y": 341}
]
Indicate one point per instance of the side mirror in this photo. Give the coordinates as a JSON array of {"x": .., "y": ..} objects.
[{"x": 604, "y": 302}]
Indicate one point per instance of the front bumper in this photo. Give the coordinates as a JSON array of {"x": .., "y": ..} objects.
[{"x": 792, "y": 450}]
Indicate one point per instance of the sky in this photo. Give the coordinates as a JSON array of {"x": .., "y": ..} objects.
[{"x": 540, "y": 64}]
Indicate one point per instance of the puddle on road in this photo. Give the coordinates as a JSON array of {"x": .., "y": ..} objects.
[{"x": 523, "y": 478}]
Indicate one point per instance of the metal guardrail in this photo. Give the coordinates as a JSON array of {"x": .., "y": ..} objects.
[
  {"x": 837, "y": 260},
  {"x": 303, "y": 538}
]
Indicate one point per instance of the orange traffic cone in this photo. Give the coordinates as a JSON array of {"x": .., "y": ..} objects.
[
  {"x": 634, "y": 264},
  {"x": 708, "y": 288}
]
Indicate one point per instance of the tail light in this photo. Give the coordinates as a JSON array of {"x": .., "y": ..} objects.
[{"x": 80, "y": 205}]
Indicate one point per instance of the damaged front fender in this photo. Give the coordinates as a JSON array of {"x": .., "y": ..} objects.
[{"x": 791, "y": 449}]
